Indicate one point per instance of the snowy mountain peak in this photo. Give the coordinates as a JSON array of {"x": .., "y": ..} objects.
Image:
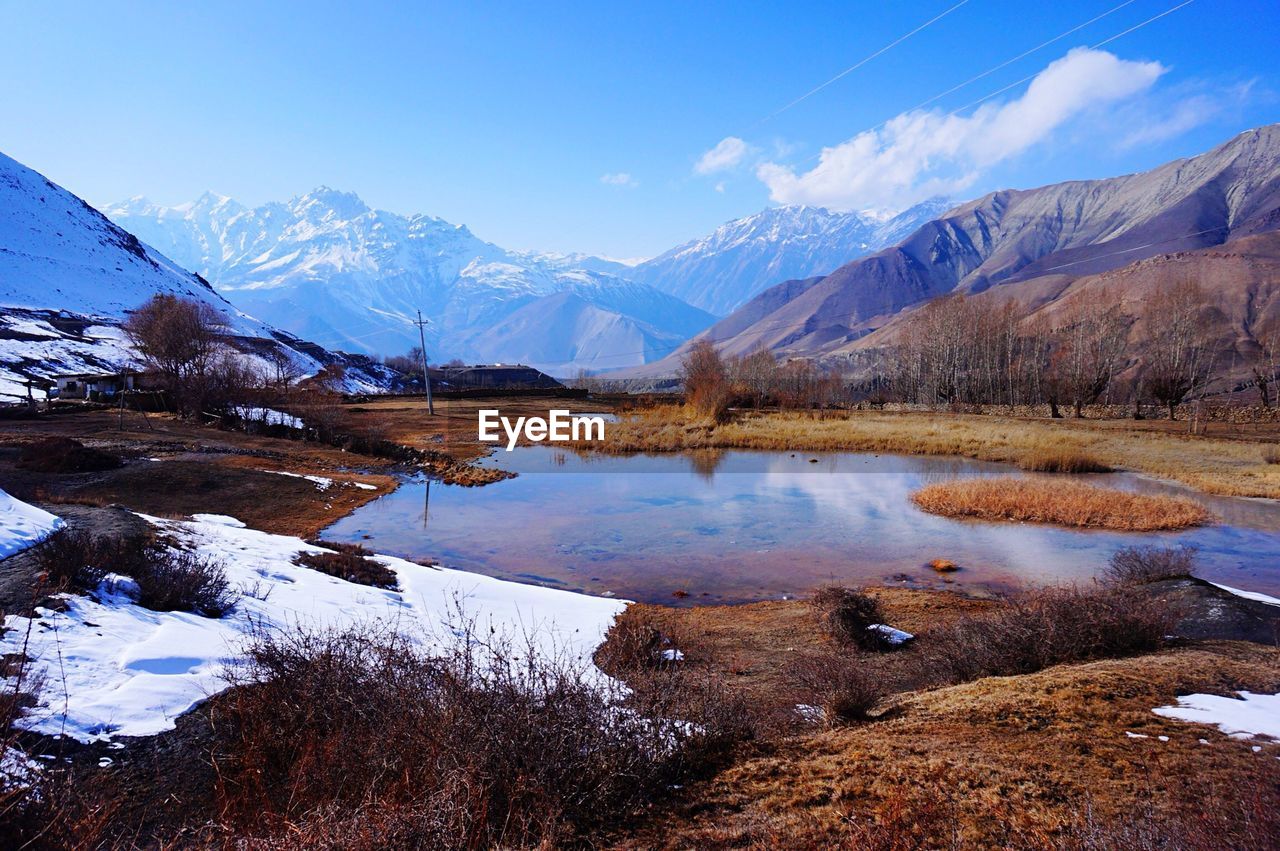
[
  {"x": 325, "y": 204},
  {"x": 743, "y": 257},
  {"x": 328, "y": 268}
]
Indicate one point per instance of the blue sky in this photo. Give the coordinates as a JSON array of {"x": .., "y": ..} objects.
[{"x": 581, "y": 126}]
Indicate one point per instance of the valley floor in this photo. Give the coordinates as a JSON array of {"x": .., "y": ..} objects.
[{"x": 1071, "y": 756}]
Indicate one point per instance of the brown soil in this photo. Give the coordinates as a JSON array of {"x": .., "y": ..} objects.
[
  {"x": 752, "y": 645},
  {"x": 454, "y": 428},
  {"x": 200, "y": 470}
]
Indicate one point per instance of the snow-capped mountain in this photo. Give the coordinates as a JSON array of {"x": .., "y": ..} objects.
[
  {"x": 741, "y": 258},
  {"x": 68, "y": 276},
  {"x": 327, "y": 267}
]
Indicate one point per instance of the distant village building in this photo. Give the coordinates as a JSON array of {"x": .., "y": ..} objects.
[
  {"x": 493, "y": 377},
  {"x": 95, "y": 387}
]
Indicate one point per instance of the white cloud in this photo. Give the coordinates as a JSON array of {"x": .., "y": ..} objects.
[
  {"x": 923, "y": 153},
  {"x": 1182, "y": 109},
  {"x": 619, "y": 178},
  {"x": 728, "y": 153}
]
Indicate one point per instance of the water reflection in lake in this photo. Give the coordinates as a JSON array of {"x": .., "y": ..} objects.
[{"x": 732, "y": 526}]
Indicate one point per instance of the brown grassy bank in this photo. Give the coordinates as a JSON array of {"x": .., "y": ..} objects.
[
  {"x": 1231, "y": 467},
  {"x": 1035, "y": 761},
  {"x": 1063, "y": 503}
]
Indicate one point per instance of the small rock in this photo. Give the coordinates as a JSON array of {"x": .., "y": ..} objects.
[{"x": 944, "y": 565}]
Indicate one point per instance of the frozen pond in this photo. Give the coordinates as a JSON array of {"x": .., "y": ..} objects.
[{"x": 746, "y": 525}]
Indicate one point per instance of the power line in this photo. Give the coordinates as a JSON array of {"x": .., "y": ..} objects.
[
  {"x": 860, "y": 63},
  {"x": 1131, "y": 29},
  {"x": 1041, "y": 46},
  {"x": 1023, "y": 55}
]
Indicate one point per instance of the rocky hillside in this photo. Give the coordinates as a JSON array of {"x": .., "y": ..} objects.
[
  {"x": 1032, "y": 245},
  {"x": 68, "y": 276}
]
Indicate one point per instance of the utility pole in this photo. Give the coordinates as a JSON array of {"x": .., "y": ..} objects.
[{"x": 426, "y": 377}]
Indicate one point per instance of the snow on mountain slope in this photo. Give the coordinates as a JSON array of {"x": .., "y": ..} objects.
[
  {"x": 328, "y": 267},
  {"x": 741, "y": 258},
  {"x": 68, "y": 276}
]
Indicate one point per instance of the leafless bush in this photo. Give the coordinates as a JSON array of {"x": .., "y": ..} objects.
[
  {"x": 839, "y": 684},
  {"x": 1048, "y": 627},
  {"x": 631, "y": 645},
  {"x": 168, "y": 579},
  {"x": 73, "y": 560},
  {"x": 1271, "y": 455},
  {"x": 175, "y": 580},
  {"x": 339, "y": 734},
  {"x": 706, "y": 382},
  {"x": 848, "y": 615},
  {"x": 351, "y": 562},
  {"x": 1140, "y": 565}
]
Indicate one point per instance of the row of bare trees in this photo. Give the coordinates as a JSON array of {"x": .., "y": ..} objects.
[
  {"x": 974, "y": 351},
  {"x": 959, "y": 349}
]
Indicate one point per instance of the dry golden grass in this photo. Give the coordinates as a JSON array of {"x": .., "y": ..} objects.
[
  {"x": 1036, "y": 761},
  {"x": 1231, "y": 467},
  {"x": 1064, "y": 503}
]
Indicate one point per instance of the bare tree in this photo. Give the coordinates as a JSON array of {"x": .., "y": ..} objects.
[
  {"x": 284, "y": 368},
  {"x": 1266, "y": 365},
  {"x": 1178, "y": 358},
  {"x": 706, "y": 380},
  {"x": 407, "y": 364},
  {"x": 181, "y": 340},
  {"x": 1088, "y": 351},
  {"x": 754, "y": 376}
]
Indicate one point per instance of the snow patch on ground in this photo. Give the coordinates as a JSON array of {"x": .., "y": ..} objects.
[
  {"x": 322, "y": 483},
  {"x": 1243, "y": 717},
  {"x": 891, "y": 635},
  {"x": 23, "y": 525},
  {"x": 1248, "y": 595},
  {"x": 267, "y": 416},
  {"x": 111, "y": 667}
]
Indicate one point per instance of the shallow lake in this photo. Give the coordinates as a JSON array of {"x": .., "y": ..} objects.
[{"x": 745, "y": 525}]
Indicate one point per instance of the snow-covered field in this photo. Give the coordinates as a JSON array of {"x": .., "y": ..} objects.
[
  {"x": 23, "y": 525},
  {"x": 110, "y": 667}
]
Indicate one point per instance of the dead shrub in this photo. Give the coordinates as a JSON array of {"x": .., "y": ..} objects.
[
  {"x": 73, "y": 560},
  {"x": 705, "y": 376},
  {"x": 1271, "y": 455},
  {"x": 64, "y": 455},
  {"x": 839, "y": 684},
  {"x": 168, "y": 579},
  {"x": 343, "y": 734},
  {"x": 350, "y": 562},
  {"x": 1140, "y": 565},
  {"x": 175, "y": 580},
  {"x": 1046, "y": 627},
  {"x": 847, "y": 616},
  {"x": 1062, "y": 503},
  {"x": 631, "y": 645}
]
